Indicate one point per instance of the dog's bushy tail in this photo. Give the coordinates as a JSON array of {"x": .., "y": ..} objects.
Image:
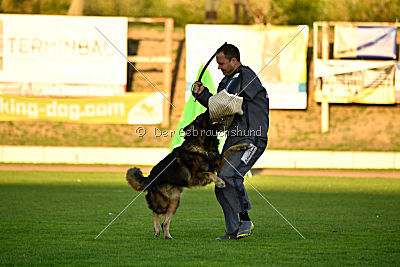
[{"x": 136, "y": 180}]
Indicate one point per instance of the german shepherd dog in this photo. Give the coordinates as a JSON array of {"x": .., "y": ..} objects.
[{"x": 191, "y": 164}]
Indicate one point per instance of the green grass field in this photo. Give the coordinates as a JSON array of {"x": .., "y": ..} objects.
[{"x": 53, "y": 217}]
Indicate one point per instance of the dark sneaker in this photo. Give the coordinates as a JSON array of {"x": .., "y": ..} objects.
[
  {"x": 226, "y": 237},
  {"x": 245, "y": 228}
]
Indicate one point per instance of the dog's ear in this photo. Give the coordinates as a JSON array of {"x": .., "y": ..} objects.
[
  {"x": 186, "y": 128},
  {"x": 205, "y": 118},
  {"x": 207, "y": 114},
  {"x": 191, "y": 125},
  {"x": 202, "y": 120}
]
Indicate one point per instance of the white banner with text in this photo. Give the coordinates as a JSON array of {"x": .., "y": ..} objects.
[{"x": 62, "y": 55}]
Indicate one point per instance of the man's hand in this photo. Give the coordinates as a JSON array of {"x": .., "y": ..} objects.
[{"x": 198, "y": 88}]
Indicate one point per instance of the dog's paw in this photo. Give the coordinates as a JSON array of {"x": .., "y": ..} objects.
[
  {"x": 168, "y": 237},
  {"x": 220, "y": 183},
  {"x": 244, "y": 146},
  {"x": 156, "y": 232}
]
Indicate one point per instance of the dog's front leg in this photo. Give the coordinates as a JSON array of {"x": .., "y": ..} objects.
[
  {"x": 217, "y": 181},
  {"x": 229, "y": 151},
  {"x": 157, "y": 227}
]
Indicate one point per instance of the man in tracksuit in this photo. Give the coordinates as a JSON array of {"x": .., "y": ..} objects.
[{"x": 251, "y": 127}]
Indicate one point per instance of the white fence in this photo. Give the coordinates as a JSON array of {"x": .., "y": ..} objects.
[{"x": 151, "y": 156}]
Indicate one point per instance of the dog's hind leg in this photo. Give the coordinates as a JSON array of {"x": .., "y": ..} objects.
[
  {"x": 173, "y": 206},
  {"x": 163, "y": 219},
  {"x": 157, "y": 227}
]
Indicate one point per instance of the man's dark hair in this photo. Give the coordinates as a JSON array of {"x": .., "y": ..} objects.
[{"x": 230, "y": 51}]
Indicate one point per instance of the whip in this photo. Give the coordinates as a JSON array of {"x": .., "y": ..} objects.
[{"x": 195, "y": 95}]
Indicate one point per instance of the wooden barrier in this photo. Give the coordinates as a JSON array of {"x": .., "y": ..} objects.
[
  {"x": 321, "y": 50},
  {"x": 166, "y": 60}
]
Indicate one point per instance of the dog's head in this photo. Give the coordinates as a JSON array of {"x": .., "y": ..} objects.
[
  {"x": 201, "y": 126},
  {"x": 201, "y": 122}
]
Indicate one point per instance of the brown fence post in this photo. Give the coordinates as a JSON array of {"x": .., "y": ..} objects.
[{"x": 166, "y": 60}]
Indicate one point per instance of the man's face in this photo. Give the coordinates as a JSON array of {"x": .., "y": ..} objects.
[{"x": 226, "y": 66}]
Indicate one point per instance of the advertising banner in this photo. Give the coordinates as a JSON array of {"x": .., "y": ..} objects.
[
  {"x": 352, "y": 81},
  {"x": 132, "y": 108},
  {"x": 62, "y": 55},
  {"x": 285, "y": 73},
  {"x": 365, "y": 42}
]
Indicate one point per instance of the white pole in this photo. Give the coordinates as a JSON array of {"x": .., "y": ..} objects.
[{"x": 324, "y": 116}]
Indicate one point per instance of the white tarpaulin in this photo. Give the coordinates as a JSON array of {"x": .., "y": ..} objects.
[
  {"x": 285, "y": 77},
  {"x": 355, "y": 81},
  {"x": 62, "y": 55},
  {"x": 365, "y": 42}
]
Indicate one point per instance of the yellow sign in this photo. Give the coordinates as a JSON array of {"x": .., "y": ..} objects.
[{"x": 132, "y": 108}]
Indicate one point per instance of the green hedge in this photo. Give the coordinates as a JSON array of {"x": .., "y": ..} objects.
[{"x": 184, "y": 11}]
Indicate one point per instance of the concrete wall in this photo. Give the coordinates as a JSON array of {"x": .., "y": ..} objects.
[
  {"x": 329, "y": 159},
  {"x": 151, "y": 156}
]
